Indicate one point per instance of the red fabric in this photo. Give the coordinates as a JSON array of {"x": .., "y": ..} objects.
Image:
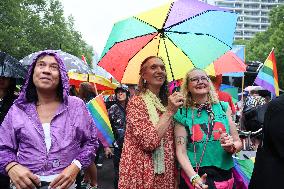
[
  {"x": 136, "y": 169},
  {"x": 229, "y": 62},
  {"x": 118, "y": 56},
  {"x": 226, "y": 97}
]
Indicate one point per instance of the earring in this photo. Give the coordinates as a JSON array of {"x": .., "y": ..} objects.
[{"x": 144, "y": 81}]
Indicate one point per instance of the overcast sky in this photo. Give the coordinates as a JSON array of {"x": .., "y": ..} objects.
[{"x": 95, "y": 18}]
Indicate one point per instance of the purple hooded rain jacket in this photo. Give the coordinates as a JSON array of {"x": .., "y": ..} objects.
[{"x": 73, "y": 133}]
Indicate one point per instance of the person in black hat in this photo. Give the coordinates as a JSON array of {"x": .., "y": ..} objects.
[{"x": 117, "y": 116}]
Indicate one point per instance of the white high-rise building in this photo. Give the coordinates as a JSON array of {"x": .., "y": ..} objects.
[{"x": 253, "y": 15}]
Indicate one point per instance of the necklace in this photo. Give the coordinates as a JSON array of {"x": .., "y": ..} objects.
[{"x": 210, "y": 122}]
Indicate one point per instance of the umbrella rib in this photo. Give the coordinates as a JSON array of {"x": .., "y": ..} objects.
[
  {"x": 168, "y": 13},
  {"x": 192, "y": 17},
  {"x": 169, "y": 59},
  {"x": 180, "y": 50},
  {"x": 138, "y": 52},
  {"x": 145, "y": 22},
  {"x": 126, "y": 40},
  {"x": 200, "y": 34}
]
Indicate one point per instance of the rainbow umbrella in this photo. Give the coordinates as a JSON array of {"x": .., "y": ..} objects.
[
  {"x": 242, "y": 172},
  {"x": 228, "y": 63},
  {"x": 185, "y": 33},
  {"x": 99, "y": 113},
  {"x": 102, "y": 83}
]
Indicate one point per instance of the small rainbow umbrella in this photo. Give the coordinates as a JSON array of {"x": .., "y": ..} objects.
[
  {"x": 185, "y": 33},
  {"x": 242, "y": 172},
  {"x": 99, "y": 113}
]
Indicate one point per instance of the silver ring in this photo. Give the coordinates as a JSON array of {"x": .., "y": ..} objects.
[{"x": 201, "y": 184}]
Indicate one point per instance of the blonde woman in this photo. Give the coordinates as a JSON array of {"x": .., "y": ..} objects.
[
  {"x": 206, "y": 136},
  {"x": 148, "y": 156}
]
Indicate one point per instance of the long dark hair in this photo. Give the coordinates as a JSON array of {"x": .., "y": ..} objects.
[
  {"x": 163, "y": 94},
  {"x": 31, "y": 93}
]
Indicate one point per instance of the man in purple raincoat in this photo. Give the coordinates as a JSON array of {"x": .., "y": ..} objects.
[{"x": 47, "y": 135}]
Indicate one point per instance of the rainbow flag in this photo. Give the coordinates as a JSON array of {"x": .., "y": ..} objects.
[
  {"x": 98, "y": 110},
  {"x": 267, "y": 77}
]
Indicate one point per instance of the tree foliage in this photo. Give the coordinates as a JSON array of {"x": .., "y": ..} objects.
[
  {"x": 259, "y": 47},
  {"x": 27, "y": 26}
]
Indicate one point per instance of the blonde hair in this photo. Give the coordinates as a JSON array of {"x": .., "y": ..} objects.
[{"x": 212, "y": 95}]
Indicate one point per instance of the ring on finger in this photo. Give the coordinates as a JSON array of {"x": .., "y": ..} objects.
[{"x": 201, "y": 185}]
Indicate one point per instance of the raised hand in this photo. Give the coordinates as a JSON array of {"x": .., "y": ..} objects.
[
  {"x": 226, "y": 141},
  {"x": 175, "y": 101},
  {"x": 22, "y": 177}
]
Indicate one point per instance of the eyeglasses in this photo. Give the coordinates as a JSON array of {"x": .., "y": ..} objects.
[
  {"x": 196, "y": 80},
  {"x": 52, "y": 66}
]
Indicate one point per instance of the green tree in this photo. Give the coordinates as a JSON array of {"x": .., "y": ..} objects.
[
  {"x": 27, "y": 26},
  {"x": 259, "y": 47}
]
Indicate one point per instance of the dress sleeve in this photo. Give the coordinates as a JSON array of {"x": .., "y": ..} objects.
[
  {"x": 8, "y": 141},
  {"x": 140, "y": 126}
]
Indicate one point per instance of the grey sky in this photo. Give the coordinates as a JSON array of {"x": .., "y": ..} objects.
[{"x": 95, "y": 18}]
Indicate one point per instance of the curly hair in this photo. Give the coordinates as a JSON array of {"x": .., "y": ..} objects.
[
  {"x": 212, "y": 95},
  {"x": 163, "y": 94}
]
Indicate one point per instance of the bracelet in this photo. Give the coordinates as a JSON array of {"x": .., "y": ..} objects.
[
  {"x": 12, "y": 167},
  {"x": 77, "y": 163},
  {"x": 194, "y": 178}
]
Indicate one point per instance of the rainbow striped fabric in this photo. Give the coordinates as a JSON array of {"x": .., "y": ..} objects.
[
  {"x": 99, "y": 113},
  {"x": 267, "y": 76},
  {"x": 242, "y": 172}
]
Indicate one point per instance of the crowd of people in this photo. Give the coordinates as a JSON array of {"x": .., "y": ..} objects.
[{"x": 162, "y": 141}]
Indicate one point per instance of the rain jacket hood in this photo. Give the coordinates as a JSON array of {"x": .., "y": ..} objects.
[{"x": 22, "y": 100}]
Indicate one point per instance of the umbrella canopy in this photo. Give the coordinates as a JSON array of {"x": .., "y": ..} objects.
[
  {"x": 102, "y": 83},
  {"x": 11, "y": 67},
  {"x": 72, "y": 63},
  {"x": 228, "y": 63},
  {"x": 185, "y": 33}
]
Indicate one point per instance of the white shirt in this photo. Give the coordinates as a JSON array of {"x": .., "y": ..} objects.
[{"x": 47, "y": 136}]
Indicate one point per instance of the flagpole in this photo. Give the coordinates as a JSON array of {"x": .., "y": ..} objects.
[{"x": 243, "y": 85}]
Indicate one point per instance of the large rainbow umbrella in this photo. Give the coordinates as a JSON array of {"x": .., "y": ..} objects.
[{"x": 185, "y": 33}]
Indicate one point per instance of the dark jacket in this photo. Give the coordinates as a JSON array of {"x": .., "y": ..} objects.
[
  {"x": 269, "y": 165},
  {"x": 117, "y": 116}
]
